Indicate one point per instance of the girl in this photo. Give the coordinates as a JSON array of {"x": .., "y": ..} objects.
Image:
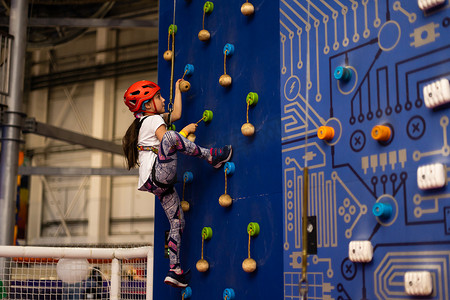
[{"x": 149, "y": 145}]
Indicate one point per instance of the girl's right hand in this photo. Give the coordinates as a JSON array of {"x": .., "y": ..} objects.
[{"x": 177, "y": 85}]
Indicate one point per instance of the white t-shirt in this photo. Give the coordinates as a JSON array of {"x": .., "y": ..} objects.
[{"x": 147, "y": 137}]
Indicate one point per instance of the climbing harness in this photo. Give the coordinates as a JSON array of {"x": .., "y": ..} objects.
[{"x": 148, "y": 148}]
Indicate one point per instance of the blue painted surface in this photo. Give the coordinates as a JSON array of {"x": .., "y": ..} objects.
[
  {"x": 255, "y": 186},
  {"x": 394, "y": 50}
]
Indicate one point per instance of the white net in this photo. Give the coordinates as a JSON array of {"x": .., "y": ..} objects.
[
  {"x": 120, "y": 275},
  {"x": 133, "y": 279}
]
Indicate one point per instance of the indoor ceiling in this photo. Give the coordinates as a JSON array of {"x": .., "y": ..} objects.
[{"x": 54, "y": 22}]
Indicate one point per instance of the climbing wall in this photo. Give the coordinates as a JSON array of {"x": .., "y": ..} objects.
[
  {"x": 357, "y": 92},
  {"x": 256, "y": 184},
  {"x": 375, "y": 144}
]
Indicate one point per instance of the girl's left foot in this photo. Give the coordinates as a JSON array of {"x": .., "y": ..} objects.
[{"x": 178, "y": 280}]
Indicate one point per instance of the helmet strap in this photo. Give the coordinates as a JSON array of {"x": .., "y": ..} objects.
[
  {"x": 144, "y": 108},
  {"x": 154, "y": 104}
]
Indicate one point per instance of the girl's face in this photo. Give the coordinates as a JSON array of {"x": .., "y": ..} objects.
[{"x": 159, "y": 103}]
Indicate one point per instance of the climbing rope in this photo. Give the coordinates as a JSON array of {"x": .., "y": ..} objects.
[
  {"x": 184, "y": 186},
  {"x": 203, "y": 22},
  {"x": 248, "y": 106},
  {"x": 225, "y": 62},
  {"x": 168, "y": 40},
  {"x": 200, "y": 120},
  {"x": 185, "y": 72},
  {"x": 203, "y": 242},
  {"x": 303, "y": 283},
  {"x": 249, "y": 238},
  {"x": 226, "y": 170},
  {"x": 170, "y": 105}
]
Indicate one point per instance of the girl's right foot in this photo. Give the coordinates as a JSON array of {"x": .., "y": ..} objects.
[{"x": 220, "y": 155}]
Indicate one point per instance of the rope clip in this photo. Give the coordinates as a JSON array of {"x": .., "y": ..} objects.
[{"x": 303, "y": 287}]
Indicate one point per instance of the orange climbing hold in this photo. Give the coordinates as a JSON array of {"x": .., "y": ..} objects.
[
  {"x": 325, "y": 133},
  {"x": 381, "y": 133}
]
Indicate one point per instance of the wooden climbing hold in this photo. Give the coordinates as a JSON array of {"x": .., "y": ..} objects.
[
  {"x": 247, "y": 9},
  {"x": 204, "y": 35},
  {"x": 168, "y": 55},
  {"x": 185, "y": 86},
  {"x": 185, "y": 206},
  {"x": 248, "y": 129},
  {"x": 202, "y": 265},
  {"x": 225, "y": 80},
  {"x": 225, "y": 200},
  {"x": 249, "y": 265}
]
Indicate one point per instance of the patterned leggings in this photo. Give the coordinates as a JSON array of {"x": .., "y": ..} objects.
[{"x": 161, "y": 184}]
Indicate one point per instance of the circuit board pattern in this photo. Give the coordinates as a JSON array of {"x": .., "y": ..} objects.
[{"x": 393, "y": 49}]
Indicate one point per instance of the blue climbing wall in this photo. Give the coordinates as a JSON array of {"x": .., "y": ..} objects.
[
  {"x": 393, "y": 50},
  {"x": 256, "y": 186}
]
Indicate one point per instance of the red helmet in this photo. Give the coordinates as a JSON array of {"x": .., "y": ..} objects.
[{"x": 138, "y": 93}]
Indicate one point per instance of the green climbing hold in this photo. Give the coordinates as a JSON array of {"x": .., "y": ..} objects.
[
  {"x": 173, "y": 29},
  {"x": 253, "y": 229},
  {"x": 207, "y": 233},
  {"x": 208, "y": 7}
]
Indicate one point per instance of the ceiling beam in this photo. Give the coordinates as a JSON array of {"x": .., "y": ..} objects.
[
  {"x": 143, "y": 64},
  {"x": 71, "y": 171},
  {"x": 71, "y": 137}
]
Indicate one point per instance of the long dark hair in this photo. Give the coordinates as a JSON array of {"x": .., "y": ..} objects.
[{"x": 129, "y": 144}]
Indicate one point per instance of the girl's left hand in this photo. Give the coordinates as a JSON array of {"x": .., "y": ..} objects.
[{"x": 191, "y": 128}]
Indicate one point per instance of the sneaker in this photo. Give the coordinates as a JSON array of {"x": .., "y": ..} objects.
[
  {"x": 176, "y": 280},
  {"x": 220, "y": 155}
]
